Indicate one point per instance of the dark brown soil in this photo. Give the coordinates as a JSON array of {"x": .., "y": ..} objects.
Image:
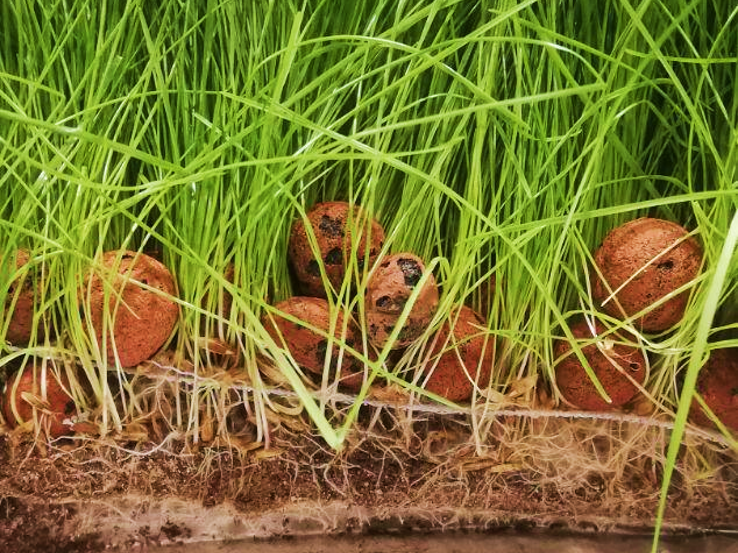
[{"x": 432, "y": 480}]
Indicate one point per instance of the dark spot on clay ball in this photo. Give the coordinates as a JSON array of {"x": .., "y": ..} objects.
[
  {"x": 734, "y": 392},
  {"x": 70, "y": 408},
  {"x": 389, "y": 328},
  {"x": 635, "y": 367},
  {"x": 320, "y": 350},
  {"x": 334, "y": 257},
  {"x": 411, "y": 270},
  {"x": 666, "y": 265},
  {"x": 313, "y": 268},
  {"x": 331, "y": 227},
  {"x": 383, "y": 302}
]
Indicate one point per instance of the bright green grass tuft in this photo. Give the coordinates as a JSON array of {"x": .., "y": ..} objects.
[{"x": 490, "y": 138}]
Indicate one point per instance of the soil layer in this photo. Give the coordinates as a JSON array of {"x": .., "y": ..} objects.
[{"x": 83, "y": 496}]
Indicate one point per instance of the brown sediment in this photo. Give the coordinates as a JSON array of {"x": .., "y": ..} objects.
[
  {"x": 655, "y": 257},
  {"x": 461, "y": 356},
  {"x": 143, "y": 319},
  {"x": 574, "y": 383},
  {"x": 33, "y": 388},
  {"x": 333, "y": 225},
  {"x": 388, "y": 290},
  {"x": 718, "y": 385},
  {"x": 308, "y": 347}
]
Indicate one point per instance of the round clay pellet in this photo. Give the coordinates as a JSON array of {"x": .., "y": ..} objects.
[
  {"x": 305, "y": 342},
  {"x": 573, "y": 381},
  {"x": 20, "y": 326},
  {"x": 462, "y": 354},
  {"x": 388, "y": 290},
  {"x": 143, "y": 319},
  {"x": 717, "y": 383},
  {"x": 654, "y": 257},
  {"x": 46, "y": 392},
  {"x": 333, "y": 224}
]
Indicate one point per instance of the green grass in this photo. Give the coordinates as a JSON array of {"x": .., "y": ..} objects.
[{"x": 489, "y": 138}]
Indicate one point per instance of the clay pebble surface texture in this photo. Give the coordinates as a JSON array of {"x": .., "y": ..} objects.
[
  {"x": 20, "y": 325},
  {"x": 143, "y": 319},
  {"x": 461, "y": 356},
  {"x": 332, "y": 224},
  {"x": 655, "y": 257},
  {"x": 45, "y": 392},
  {"x": 388, "y": 291},
  {"x": 573, "y": 381},
  {"x": 308, "y": 347},
  {"x": 717, "y": 383}
]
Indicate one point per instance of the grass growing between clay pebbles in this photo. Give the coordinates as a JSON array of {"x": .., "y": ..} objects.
[{"x": 500, "y": 142}]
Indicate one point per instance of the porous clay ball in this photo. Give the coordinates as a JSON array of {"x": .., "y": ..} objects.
[
  {"x": 388, "y": 290},
  {"x": 717, "y": 383},
  {"x": 308, "y": 347},
  {"x": 53, "y": 403},
  {"x": 20, "y": 326},
  {"x": 462, "y": 354},
  {"x": 333, "y": 224},
  {"x": 574, "y": 383},
  {"x": 143, "y": 319},
  {"x": 626, "y": 251}
]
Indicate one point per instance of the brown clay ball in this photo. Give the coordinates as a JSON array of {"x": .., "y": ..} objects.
[
  {"x": 333, "y": 224},
  {"x": 631, "y": 247},
  {"x": 143, "y": 319},
  {"x": 55, "y": 403},
  {"x": 717, "y": 383},
  {"x": 464, "y": 355},
  {"x": 575, "y": 385},
  {"x": 388, "y": 290},
  {"x": 20, "y": 326},
  {"x": 308, "y": 347}
]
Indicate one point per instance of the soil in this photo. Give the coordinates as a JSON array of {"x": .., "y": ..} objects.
[{"x": 82, "y": 495}]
